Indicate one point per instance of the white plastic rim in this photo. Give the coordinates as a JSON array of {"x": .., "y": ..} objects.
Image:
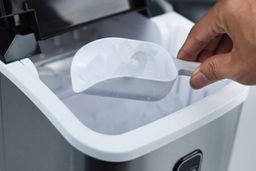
[
  {"x": 110, "y": 58},
  {"x": 119, "y": 148},
  {"x": 122, "y": 147}
]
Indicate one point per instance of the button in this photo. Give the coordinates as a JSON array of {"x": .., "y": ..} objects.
[{"x": 191, "y": 162}]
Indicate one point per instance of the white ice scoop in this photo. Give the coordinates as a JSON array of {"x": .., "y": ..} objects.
[{"x": 125, "y": 68}]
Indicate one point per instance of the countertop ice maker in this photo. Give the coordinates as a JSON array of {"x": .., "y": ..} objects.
[{"x": 46, "y": 126}]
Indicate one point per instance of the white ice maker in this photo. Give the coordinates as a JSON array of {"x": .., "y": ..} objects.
[{"x": 46, "y": 126}]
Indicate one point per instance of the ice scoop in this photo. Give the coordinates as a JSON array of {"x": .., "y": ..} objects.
[{"x": 125, "y": 68}]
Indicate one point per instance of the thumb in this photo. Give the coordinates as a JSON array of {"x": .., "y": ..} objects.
[{"x": 213, "y": 69}]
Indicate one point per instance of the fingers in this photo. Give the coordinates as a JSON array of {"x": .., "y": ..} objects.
[
  {"x": 219, "y": 45},
  {"x": 213, "y": 69},
  {"x": 210, "y": 49},
  {"x": 206, "y": 30},
  {"x": 225, "y": 45}
]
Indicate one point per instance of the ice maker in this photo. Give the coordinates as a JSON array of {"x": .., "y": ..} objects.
[{"x": 46, "y": 126}]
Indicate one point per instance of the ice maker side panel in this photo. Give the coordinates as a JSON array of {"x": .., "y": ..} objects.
[{"x": 31, "y": 142}]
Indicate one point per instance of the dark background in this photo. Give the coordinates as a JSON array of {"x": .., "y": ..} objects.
[{"x": 192, "y": 9}]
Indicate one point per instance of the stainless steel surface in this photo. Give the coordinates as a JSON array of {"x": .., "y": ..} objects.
[
  {"x": 31, "y": 142},
  {"x": 2, "y": 147}
]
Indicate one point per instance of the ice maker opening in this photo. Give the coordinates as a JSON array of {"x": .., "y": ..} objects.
[{"x": 114, "y": 116}]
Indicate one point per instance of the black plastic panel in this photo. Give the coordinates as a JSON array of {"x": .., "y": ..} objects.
[{"x": 56, "y": 16}]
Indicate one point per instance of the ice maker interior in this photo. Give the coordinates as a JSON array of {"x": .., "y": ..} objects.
[
  {"x": 116, "y": 115},
  {"x": 106, "y": 115}
]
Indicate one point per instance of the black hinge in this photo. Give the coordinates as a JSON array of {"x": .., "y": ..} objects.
[{"x": 19, "y": 33}]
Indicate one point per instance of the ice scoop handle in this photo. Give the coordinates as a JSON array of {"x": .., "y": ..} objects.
[{"x": 186, "y": 67}]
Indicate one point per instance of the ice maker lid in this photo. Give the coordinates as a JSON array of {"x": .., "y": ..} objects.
[{"x": 49, "y": 17}]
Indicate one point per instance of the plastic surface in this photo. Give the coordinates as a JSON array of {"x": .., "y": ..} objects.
[{"x": 126, "y": 68}]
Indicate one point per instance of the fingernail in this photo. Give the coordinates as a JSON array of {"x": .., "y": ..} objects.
[
  {"x": 195, "y": 72},
  {"x": 198, "y": 79}
]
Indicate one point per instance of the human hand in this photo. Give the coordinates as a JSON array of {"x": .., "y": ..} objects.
[{"x": 224, "y": 40}]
